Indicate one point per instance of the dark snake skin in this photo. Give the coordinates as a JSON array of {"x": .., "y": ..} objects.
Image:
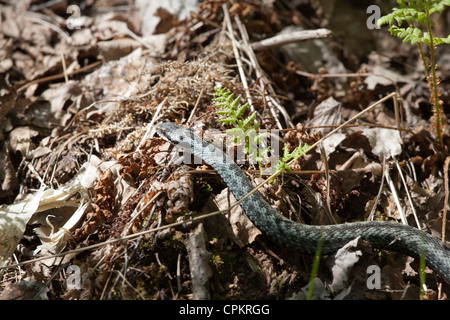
[{"x": 304, "y": 238}]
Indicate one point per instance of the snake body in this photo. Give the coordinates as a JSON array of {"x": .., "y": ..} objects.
[{"x": 305, "y": 238}]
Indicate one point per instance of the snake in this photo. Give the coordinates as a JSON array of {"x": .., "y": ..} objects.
[{"x": 305, "y": 238}]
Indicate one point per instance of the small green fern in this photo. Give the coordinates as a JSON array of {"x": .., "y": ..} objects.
[
  {"x": 231, "y": 109},
  {"x": 416, "y": 15},
  {"x": 244, "y": 130},
  {"x": 298, "y": 152}
]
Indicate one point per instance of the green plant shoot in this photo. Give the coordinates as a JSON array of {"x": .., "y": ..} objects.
[
  {"x": 244, "y": 130},
  {"x": 288, "y": 156},
  {"x": 412, "y": 22}
]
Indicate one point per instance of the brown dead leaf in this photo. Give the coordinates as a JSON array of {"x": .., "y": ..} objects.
[
  {"x": 328, "y": 112},
  {"x": 242, "y": 227},
  {"x": 8, "y": 175},
  {"x": 7, "y": 95},
  {"x": 21, "y": 140},
  {"x": 24, "y": 290},
  {"x": 117, "y": 48},
  {"x": 61, "y": 98}
]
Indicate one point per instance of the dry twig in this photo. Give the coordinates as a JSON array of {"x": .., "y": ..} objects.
[{"x": 283, "y": 39}]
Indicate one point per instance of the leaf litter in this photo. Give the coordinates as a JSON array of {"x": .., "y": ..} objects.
[{"x": 82, "y": 167}]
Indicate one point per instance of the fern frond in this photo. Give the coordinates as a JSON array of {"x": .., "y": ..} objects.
[
  {"x": 246, "y": 123},
  {"x": 228, "y": 121},
  {"x": 417, "y": 13},
  {"x": 235, "y": 103},
  {"x": 224, "y": 112},
  {"x": 240, "y": 112}
]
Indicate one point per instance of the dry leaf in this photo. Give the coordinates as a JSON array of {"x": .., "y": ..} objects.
[
  {"x": 24, "y": 290},
  {"x": 342, "y": 263},
  {"x": 8, "y": 176},
  {"x": 328, "y": 112},
  {"x": 14, "y": 217},
  {"x": 385, "y": 143},
  {"x": 320, "y": 291},
  {"x": 59, "y": 96},
  {"x": 13, "y": 220},
  {"x": 331, "y": 143},
  {"x": 21, "y": 140},
  {"x": 243, "y": 228}
]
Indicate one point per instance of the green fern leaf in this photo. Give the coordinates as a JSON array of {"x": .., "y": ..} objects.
[
  {"x": 228, "y": 121},
  {"x": 249, "y": 120},
  {"x": 240, "y": 112},
  {"x": 235, "y": 131},
  {"x": 235, "y": 103},
  {"x": 229, "y": 98},
  {"x": 437, "y": 41},
  {"x": 224, "y": 112},
  {"x": 221, "y": 105}
]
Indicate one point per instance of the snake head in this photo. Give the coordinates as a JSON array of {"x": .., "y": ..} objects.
[{"x": 172, "y": 132}]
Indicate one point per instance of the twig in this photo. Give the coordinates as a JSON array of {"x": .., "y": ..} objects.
[
  {"x": 137, "y": 212},
  {"x": 389, "y": 96},
  {"x": 444, "y": 215},
  {"x": 395, "y": 195},
  {"x": 196, "y": 106},
  {"x": 283, "y": 39},
  {"x": 150, "y": 125},
  {"x": 128, "y": 237},
  {"x": 328, "y": 183},
  {"x": 237, "y": 56},
  {"x": 265, "y": 83},
  {"x": 199, "y": 258},
  {"x": 354, "y": 125},
  {"x": 179, "y": 273},
  {"x": 347, "y": 164},
  {"x": 380, "y": 190},
  {"x": 408, "y": 194},
  {"x": 205, "y": 20},
  {"x": 345, "y": 75},
  {"x": 63, "y": 62},
  {"x": 362, "y": 74},
  {"x": 58, "y": 76}
]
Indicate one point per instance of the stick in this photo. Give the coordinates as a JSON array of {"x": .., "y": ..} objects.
[{"x": 283, "y": 39}]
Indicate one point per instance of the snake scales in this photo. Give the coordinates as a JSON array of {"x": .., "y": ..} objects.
[{"x": 305, "y": 238}]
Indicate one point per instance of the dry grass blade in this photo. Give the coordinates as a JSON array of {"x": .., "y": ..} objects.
[
  {"x": 237, "y": 56},
  {"x": 408, "y": 194},
  {"x": 446, "y": 186}
]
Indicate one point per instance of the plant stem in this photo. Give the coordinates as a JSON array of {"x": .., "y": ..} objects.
[
  {"x": 315, "y": 268},
  {"x": 424, "y": 61},
  {"x": 432, "y": 83}
]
